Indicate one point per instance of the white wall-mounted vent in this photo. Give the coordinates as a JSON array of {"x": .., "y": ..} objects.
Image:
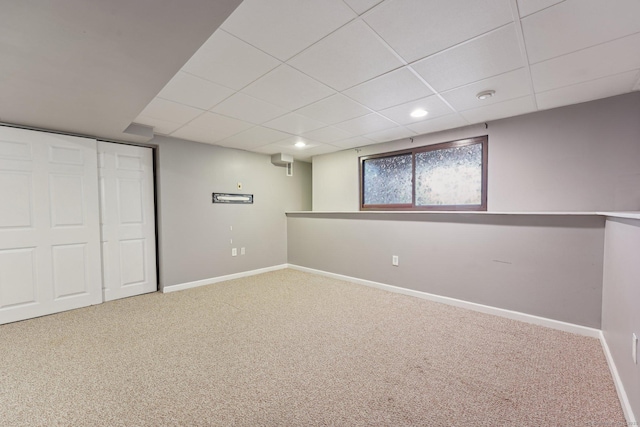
[{"x": 281, "y": 159}]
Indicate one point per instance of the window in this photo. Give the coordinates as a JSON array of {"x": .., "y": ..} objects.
[{"x": 448, "y": 176}]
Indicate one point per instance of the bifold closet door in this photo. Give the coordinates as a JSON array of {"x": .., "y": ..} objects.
[
  {"x": 127, "y": 220},
  {"x": 49, "y": 224}
]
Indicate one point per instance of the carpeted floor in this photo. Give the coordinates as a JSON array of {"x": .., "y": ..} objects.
[{"x": 292, "y": 349}]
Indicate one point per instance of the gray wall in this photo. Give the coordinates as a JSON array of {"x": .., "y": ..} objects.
[
  {"x": 621, "y": 300},
  {"x": 194, "y": 233},
  {"x": 549, "y": 266},
  {"x": 583, "y": 157}
]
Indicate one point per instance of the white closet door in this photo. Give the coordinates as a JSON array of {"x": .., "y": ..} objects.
[
  {"x": 49, "y": 224},
  {"x": 127, "y": 219}
]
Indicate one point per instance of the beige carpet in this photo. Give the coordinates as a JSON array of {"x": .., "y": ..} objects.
[{"x": 292, "y": 349}]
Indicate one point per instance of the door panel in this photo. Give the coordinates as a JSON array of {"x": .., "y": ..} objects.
[
  {"x": 49, "y": 224},
  {"x": 127, "y": 220}
]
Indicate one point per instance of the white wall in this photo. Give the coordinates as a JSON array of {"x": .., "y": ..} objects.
[
  {"x": 583, "y": 157},
  {"x": 621, "y": 300},
  {"x": 194, "y": 238},
  {"x": 543, "y": 265}
]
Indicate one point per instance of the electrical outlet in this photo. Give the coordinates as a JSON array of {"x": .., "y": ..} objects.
[
  {"x": 634, "y": 348},
  {"x": 239, "y": 186},
  {"x": 234, "y": 252},
  {"x": 394, "y": 260},
  {"x": 242, "y": 251}
]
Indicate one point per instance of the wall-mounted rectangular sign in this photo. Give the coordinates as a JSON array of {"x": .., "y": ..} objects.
[{"x": 232, "y": 198}]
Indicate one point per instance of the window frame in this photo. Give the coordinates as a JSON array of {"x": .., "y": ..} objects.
[{"x": 484, "y": 140}]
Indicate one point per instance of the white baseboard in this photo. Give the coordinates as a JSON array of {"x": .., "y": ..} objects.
[
  {"x": 622, "y": 394},
  {"x": 515, "y": 315},
  {"x": 203, "y": 282}
]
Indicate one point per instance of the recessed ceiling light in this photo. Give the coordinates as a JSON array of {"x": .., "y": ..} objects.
[
  {"x": 300, "y": 144},
  {"x": 485, "y": 94},
  {"x": 419, "y": 113}
]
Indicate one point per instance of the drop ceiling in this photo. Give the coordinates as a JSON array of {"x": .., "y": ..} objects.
[{"x": 338, "y": 74}]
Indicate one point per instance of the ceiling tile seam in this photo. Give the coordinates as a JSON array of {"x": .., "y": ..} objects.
[
  {"x": 594, "y": 80},
  {"x": 248, "y": 84},
  {"x": 352, "y": 9},
  {"x": 432, "y": 89},
  {"x": 374, "y": 8},
  {"x": 326, "y": 127},
  {"x": 191, "y": 106},
  {"x": 347, "y": 88},
  {"x": 257, "y": 124},
  {"x": 406, "y": 64},
  {"x": 523, "y": 48},
  {"x": 174, "y": 102},
  {"x": 187, "y": 123},
  {"x": 544, "y": 8},
  {"x": 332, "y": 124},
  {"x": 320, "y": 39},
  {"x": 386, "y": 107},
  {"x": 587, "y": 47},
  {"x": 154, "y": 118},
  {"x": 201, "y": 78},
  {"x": 467, "y": 41},
  {"x": 246, "y": 42},
  {"x": 498, "y": 103},
  {"x": 295, "y": 134}
]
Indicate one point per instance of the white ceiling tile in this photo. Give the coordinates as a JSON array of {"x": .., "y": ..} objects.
[
  {"x": 351, "y": 55},
  {"x": 402, "y": 113},
  {"x": 513, "y": 84},
  {"x": 294, "y": 123},
  {"x": 288, "y": 147},
  {"x": 450, "y": 121},
  {"x": 418, "y": 28},
  {"x": 357, "y": 141},
  {"x": 170, "y": 111},
  {"x": 513, "y": 107},
  {"x": 527, "y": 7},
  {"x": 290, "y": 143},
  {"x": 248, "y": 108},
  {"x": 194, "y": 91},
  {"x": 228, "y": 61},
  {"x": 396, "y": 87},
  {"x": 321, "y": 149},
  {"x": 391, "y": 134},
  {"x": 577, "y": 24},
  {"x": 327, "y": 135},
  {"x": 162, "y": 127},
  {"x": 211, "y": 128},
  {"x": 288, "y": 88},
  {"x": 283, "y": 28},
  {"x": 366, "y": 124},
  {"x": 361, "y": 6},
  {"x": 588, "y": 64},
  {"x": 588, "y": 91},
  {"x": 254, "y": 137},
  {"x": 334, "y": 109},
  {"x": 491, "y": 54},
  {"x": 269, "y": 149}
]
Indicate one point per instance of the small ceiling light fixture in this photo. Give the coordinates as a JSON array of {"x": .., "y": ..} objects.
[
  {"x": 300, "y": 144},
  {"x": 485, "y": 94},
  {"x": 419, "y": 113}
]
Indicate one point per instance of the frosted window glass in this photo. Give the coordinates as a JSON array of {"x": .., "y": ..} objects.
[
  {"x": 387, "y": 180},
  {"x": 451, "y": 176}
]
